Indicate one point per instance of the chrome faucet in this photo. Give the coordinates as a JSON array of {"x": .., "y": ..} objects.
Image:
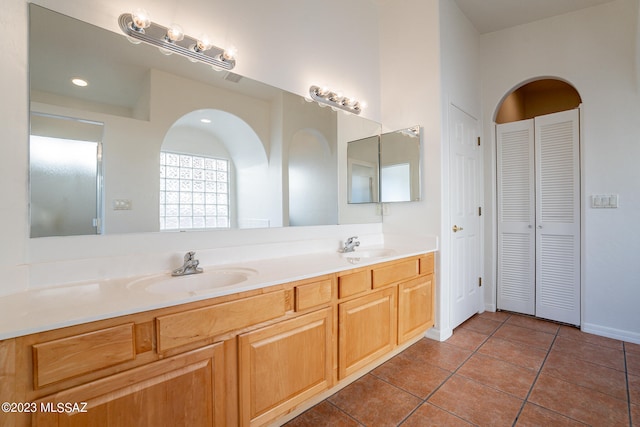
[
  {"x": 350, "y": 244},
  {"x": 190, "y": 266}
]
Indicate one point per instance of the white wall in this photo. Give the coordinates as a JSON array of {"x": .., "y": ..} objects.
[
  {"x": 594, "y": 49},
  {"x": 460, "y": 77},
  {"x": 277, "y": 45},
  {"x": 410, "y": 92}
]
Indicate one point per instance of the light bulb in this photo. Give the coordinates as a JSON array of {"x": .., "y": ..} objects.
[
  {"x": 203, "y": 43},
  {"x": 230, "y": 53},
  {"x": 175, "y": 33},
  {"x": 140, "y": 19}
]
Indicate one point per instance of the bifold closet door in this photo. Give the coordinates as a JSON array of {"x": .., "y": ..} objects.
[
  {"x": 538, "y": 174},
  {"x": 516, "y": 217},
  {"x": 558, "y": 216}
]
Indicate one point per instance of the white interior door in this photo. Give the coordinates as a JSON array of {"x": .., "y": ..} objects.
[
  {"x": 516, "y": 217},
  {"x": 558, "y": 217},
  {"x": 464, "y": 202}
]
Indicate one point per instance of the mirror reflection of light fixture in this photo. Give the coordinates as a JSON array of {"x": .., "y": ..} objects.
[
  {"x": 335, "y": 100},
  {"x": 138, "y": 26}
]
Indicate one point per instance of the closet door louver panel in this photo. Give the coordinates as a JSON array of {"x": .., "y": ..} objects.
[
  {"x": 558, "y": 217},
  {"x": 516, "y": 210}
]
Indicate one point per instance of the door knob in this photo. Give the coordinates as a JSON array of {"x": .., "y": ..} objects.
[{"x": 456, "y": 228}]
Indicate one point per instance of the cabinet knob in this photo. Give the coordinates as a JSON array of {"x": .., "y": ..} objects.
[{"x": 456, "y": 228}]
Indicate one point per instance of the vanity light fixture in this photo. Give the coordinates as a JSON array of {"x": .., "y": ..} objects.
[
  {"x": 139, "y": 27},
  {"x": 335, "y": 100}
]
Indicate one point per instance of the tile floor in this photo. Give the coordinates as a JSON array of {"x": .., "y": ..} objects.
[{"x": 498, "y": 369}]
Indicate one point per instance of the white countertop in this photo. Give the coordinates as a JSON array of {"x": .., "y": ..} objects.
[{"x": 50, "y": 308}]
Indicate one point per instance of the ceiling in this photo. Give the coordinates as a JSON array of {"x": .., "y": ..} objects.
[{"x": 494, "y": 15}]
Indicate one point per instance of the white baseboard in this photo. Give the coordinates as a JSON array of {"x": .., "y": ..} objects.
[
  {"x": 439, "y": 334},
  {"x": 490, "y": 307},
  {"x": 617, "y": 334}
]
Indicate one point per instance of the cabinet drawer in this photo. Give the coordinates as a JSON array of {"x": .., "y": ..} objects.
[
  {"x": 426, "y": 264},
  {"x": 175, "y": 330},
  {"x": 354, "y": 283},
  {"x": 312, "y": 294},
  {"x": 69, "y": 357},
  {"x": 395, "y": 272}
]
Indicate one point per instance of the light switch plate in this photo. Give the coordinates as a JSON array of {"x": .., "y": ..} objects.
[{"x": 121, "y": 205}]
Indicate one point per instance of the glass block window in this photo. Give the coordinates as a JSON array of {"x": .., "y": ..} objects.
[{"x": 194, "y": 192}]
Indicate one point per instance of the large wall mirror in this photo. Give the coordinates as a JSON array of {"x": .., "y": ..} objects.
[
  {"x": 385, "y": 168},
  {"x": 177, "y": 145}
]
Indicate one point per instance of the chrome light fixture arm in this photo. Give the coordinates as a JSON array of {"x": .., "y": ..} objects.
[{"x": 189, "y": 47}]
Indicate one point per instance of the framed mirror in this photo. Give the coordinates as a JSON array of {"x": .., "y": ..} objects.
[
  {"x": 400, "y": 160},
  {"x": 385, "y": 168},
  {"x": 149, "y": 104},
  {"x": 363, "y": 170}
]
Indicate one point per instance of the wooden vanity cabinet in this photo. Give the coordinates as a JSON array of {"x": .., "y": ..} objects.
[
  {"x": 416, "y": 301},
  {"x": 242, "y": 359},
  {"x": 366, "y": 329},
  {"x": 284, "y": 364},
  {"x": 183, "y": 390},
  {"x": 415, "y": 307}
]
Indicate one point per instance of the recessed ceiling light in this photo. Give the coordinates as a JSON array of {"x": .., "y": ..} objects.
[
  {"x": 79, "y": 82},
  {"x": 205, "y": 120}
]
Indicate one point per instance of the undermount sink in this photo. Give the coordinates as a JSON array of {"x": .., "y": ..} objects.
[
  {"x": 193, "y": 284},
  {"x": 371, "y": 253}
]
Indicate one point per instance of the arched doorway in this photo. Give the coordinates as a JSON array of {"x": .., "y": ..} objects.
[
  {"x": 538, "y": 201},
  {"x": 537, "y": 98}
]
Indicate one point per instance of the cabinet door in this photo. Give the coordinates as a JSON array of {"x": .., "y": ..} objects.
[
  {"x": 184, "y": 390},
  {"x": 415, "y": 307},
  {"x": 367, "y": 329},
  {"x": 282, "y": 365}
]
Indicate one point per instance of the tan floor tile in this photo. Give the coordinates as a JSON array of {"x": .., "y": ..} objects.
[
  {"x": 440, "y": 354},
  {"x": 635, "y": 415},
  {"x": 514, "y": 352},
  {"x": 476, "y": 403},
  {"x": 372, "y": 401},
  {"x": 535, "y": 416},
  {"x": 323, "y": 414},
  {"x": 605, "y": 356},
  {"x": 499, "y": 316},
  {"x": 466, "y": 338},
  {"x": 498, "y": 374},
  {"x": 533, "y": 323},
  {"x": 579, "y": 403},
  {"x": 577, "y": 335},
  {"x": 634, "y": 389},
  {"x": 633, "y": 363},
  {"x": 526, "y": 336},
  {"x": 428, "y": 415},
  {"x": 631, "y": 347},
  {"x": 587, "y": 374},
  {"x": 481, "y": 324},
  {"x": 412, "y": 375}
]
